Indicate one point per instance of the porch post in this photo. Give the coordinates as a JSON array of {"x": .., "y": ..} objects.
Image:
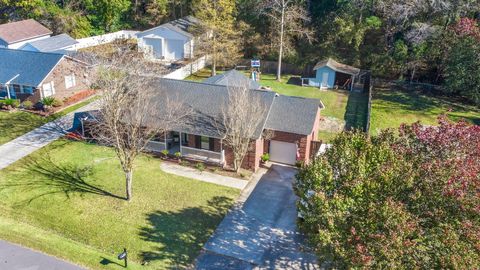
[
  {"x": 180, "y": 141},
  {"x": 222, "y": 153},
  {"x": 165, "y": 140}
]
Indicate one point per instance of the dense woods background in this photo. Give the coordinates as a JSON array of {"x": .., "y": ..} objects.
[{"x": 435, "y": 42}]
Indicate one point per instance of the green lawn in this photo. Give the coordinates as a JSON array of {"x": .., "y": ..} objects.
[
  {"x": 67, "y": 200},
  {"x": 14, "y": 124},
  {"x": 343, "y": 105},
  {"x": 392, "y": 108}
]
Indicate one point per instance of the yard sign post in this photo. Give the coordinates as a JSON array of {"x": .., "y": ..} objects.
[
  {"x": 255, "y": 67},
  {"x": 123, "y": 256}
]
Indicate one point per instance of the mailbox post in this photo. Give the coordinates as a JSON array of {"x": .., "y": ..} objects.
[{"x": 123, "y": 256}]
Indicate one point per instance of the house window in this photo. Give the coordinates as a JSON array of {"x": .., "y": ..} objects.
[
  {"x": 70, "y": 81},
  {"x": 48, "y": 89},
  {"x": 184, "y": 139},
  {"x": 205, "y": 143},
  {"x": 28, "y": 90}
]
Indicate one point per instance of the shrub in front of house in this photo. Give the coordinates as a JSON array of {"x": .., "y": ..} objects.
[
  {"x": 406, "y": 200},
  {"x": 200, "y": 166},
  {"x": 10, "y": 103},
  {"x": 47, "y": 101},
  {"x": 164, "y": 152},
  {"x": 265, "y": 157},
  {"x": 57, "y": 103},
  {"x": 27, "y": 104}
]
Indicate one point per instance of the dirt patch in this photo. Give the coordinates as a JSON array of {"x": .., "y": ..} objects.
[{"x": 331, "y": 124}]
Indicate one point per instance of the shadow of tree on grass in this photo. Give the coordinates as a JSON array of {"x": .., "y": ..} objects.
[
  {"x": 42, "y": 176},
  {"x": 179, "y": 236}
]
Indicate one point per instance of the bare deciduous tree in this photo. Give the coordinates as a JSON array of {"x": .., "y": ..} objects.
[
  {"x": 241, "y": 117},
  {"x": 133, "y": 109},
  {"x": 288, "y": 19}
]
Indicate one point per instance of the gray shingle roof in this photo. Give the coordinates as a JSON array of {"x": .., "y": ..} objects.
[
  {"x": 22, "y": 30},
  {"x": 53, "y": 43},
  {"x": 32, "y": 67},
  {"x": 232, "y": 77},
  {"x": 284, "y": 113},
  {"x": 206, "y": 100},
  {"x": 293, "y": 114},
  {"x": 183, "y": 25},
  {"x": 337, "y": 66}
]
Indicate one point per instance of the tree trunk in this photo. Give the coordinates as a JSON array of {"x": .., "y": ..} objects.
[
  {"x": 412, "y": 75},
  {"x": 129, "y": 178},
  {"x": 280, "y": 52},
  {"x": 214, "y": 56}
]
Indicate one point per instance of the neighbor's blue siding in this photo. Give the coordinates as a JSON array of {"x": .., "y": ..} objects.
[{"x": 328, "y": 72}]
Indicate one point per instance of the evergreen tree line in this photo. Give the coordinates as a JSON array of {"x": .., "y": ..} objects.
[{"x": 436, "y": 42}]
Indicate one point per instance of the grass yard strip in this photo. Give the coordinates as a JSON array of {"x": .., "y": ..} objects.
[
  {"x": 392, "y": 108},
  {"x": 75, "y": 191},
  {"x": 14, "y": 124},
  {"x": 58, "y": 246}
]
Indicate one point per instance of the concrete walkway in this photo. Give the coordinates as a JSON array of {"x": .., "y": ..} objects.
[
  {"x": 203, "y": 176},
  {"x": 24, "y": 145},
  {"x": 14, "y": 257},
  {"x": 261, "y": 233}
]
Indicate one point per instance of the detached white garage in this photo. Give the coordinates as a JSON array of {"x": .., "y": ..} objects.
[
  {"x": 170, "y": 41},
  {"x": 283, "y": 152}
]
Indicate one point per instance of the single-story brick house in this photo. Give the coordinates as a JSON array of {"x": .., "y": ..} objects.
[
  {"x": 28, "y": 75},
  {"x": 15, "y": 34},
  {"x": 293, "y": 120},
  {"x": 170, "y": 41}
]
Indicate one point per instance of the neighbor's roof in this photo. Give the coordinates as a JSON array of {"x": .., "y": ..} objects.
[
  {"x": 206, "y": 101},
  {"x": 22, "y": 30},
  {"x": 232, "y": 77},
  {"x": 53, "y": 43},
  {"x": 339, "y": 67},
  {"x": 183, "y": 26},
  {"x": 31, "y": 67}
]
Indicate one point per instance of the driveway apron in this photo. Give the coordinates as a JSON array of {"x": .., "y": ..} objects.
[{"x": 261, "y": 233}]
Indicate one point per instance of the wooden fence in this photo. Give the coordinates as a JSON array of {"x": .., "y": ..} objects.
[
  {"x": 368, "y": 87},
  {"x": 271, "y": 68}
]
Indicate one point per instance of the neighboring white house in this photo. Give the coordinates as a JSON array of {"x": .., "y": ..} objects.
[
  {"x": 170, "y": 41},
  {"x": 15, "y": 34},
  {"x": 57, "y": 44}
]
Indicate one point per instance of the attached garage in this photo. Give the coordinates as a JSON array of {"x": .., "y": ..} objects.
[{"x": 283, "y": 152}]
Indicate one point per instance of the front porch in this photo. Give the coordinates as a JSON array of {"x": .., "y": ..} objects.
[{"x": 194, "y": 147}]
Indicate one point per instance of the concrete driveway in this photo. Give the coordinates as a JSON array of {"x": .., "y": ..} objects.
[{"x": 261, "y": 233}]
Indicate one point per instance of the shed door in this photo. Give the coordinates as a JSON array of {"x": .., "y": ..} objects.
[
  {"x": 283, "y": 152},
  {"x": 174, "y": 49},
  {"x": 325, "y": 79}
]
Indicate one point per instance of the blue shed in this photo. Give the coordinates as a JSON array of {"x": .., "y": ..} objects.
[{"x": 330, "y": 74}]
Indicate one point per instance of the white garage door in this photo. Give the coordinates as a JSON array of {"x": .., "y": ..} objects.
[
  {"x": 174, "y": 49},
  {"x": 283, "y": 152}
]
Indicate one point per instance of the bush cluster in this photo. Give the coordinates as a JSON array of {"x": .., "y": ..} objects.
[{"x": 408, "y": 200}]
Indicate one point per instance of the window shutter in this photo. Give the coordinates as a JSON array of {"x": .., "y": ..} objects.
[{"x": 212, "y": 144}]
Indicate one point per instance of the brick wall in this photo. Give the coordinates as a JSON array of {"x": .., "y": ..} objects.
[
  {"x": 252, "y": 158},
  {"x": 64, "y": 68}
]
